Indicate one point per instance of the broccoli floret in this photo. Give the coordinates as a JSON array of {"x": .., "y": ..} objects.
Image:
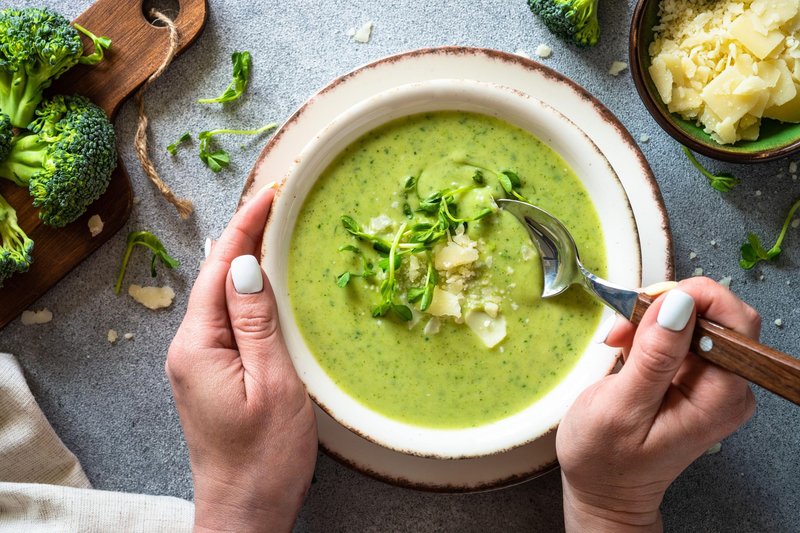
[
  {"x": 6, "y": 135},
  {"x": 36, "y": 47},
  {"x": 573, "y": 20},
  {"x": 66, "y": 160},
  {"x": 15, "y": 246}
]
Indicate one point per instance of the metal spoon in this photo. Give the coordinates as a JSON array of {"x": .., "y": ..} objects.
[{"x": 562, "y": 268}]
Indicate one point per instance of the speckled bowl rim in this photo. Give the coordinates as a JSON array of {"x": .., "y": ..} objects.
[
  {"x": 502, "y": 470},
  {"x": 665, "y": 119}
]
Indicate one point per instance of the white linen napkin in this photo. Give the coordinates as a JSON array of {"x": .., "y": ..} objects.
[{"x": 43, "y": 487}]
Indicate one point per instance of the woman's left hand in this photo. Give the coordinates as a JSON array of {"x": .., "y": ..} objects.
[{"x": 248, "y": 421}]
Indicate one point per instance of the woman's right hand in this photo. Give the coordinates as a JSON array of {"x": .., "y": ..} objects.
[{"x": 628, "y": 437}]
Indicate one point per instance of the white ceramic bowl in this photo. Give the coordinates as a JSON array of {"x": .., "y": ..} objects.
[{"x": 562, "y": 135}]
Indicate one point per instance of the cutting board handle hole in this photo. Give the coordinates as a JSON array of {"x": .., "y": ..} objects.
[{"x": 170, "y": 8}]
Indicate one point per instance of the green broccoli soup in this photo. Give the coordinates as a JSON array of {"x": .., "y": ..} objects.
[{"x": 416, "y": 294}]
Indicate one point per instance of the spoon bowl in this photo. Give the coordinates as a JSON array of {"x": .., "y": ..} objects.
[
  {"x": 561, "y": 266},
  {"x": 561, "y": 263}
]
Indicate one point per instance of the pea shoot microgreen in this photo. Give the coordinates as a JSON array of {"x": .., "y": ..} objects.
[
  {"x": 150, "y": 241},
  {"x": 343, "y": 279},
  {"x": 753, "y": 252},
  {"x": 242, "y": 63},
  {"x": 722, "y": 182},
  {"x": 218, "y": 159},
  {"x": 433, "y": 221},
  {"x": 173, "y": 148}
]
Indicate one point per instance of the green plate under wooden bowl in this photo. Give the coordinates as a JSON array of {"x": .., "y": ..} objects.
[{"x": 776, "y": 140}]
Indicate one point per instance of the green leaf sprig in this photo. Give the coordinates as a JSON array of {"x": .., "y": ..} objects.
[
  {"x": 722, "y": 182},
  {"x": 388, "y": 288},
  {"x": 150, "y": 241},
  {"x": 101, "y": 44},
  {"x": 354, "y": 229},
  {"x": 424, "y": 294},
  {"x": 242, "y": 64},
  {"x": 753, "y": 252},
  {"x": 218, "y": 159},
  {"x": 440, "y": 217},
  {"x": 366, "y": 272},
  {"x": 173, "y": 148}
]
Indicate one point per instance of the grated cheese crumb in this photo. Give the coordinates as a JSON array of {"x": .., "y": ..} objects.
[
  {"x": 30, "y": 318},
  {"x": 617, "y": 67},
  {"x": 796, "y": 223},
  {"x": 692, "y": 255},
  {"x": 644, "y": 138},
  {"x": 152, "y": 297},
  {"x": 95, "y": 225},
  {"x": 779, "y": 322},
  {"x": 112, "y": 336},
  {"x": 363, "y": 34},
  {"x": 697, "y": 272},
  {"x": 726, "y": 282},
  {"x": 793, "y": 167},
  {"x": 544, "y": 51},
  {"x": 128, "y": 336},
  {"x": 714, "y": 449}
]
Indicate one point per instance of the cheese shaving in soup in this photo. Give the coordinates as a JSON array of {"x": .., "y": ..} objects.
[{"x": 726, "y": 64}]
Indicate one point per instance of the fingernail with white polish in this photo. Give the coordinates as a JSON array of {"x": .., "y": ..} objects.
[
  {"x": 676, "y": 310},
  {"x": 246, "y": 275},
  {"x": 604, "y": 329},
  {"x": 207, "y": 247}
]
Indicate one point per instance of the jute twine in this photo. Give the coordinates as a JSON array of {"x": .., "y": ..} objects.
[{"x": 183, "y": 206}]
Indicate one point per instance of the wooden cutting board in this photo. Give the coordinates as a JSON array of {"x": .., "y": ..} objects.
[{"x": 137, "y": 51}]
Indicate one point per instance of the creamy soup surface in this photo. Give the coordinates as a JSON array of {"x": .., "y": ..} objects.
[{"x": 438, "y": 370}]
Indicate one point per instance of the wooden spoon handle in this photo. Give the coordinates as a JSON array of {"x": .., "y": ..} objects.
[{"x": 775, "y": 371}]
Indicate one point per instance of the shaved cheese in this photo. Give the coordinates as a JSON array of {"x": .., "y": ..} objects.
[
  {"x": 617, "y": 67},
  {"x": 432, "y": 327},
  {"x": 95, "y": 225},
  {"x": 362, "y": 34},
  {"x": 444, "y": 303},
  {"x": 453, "y": 255},
  {"x": 490, "y": 330},
  {"x": 728, "y": 63},
  {"x": 152, "y": 297},
  {"x": 30, "y": 318},
  {"x": 543, "y": 51}
]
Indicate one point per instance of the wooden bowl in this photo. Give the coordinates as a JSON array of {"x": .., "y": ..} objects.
[{"x": 777, "y": 139}]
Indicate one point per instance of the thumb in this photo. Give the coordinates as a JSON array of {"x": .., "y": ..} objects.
[
  {"x": 252, "y": 310},
  {"x": 659, "y": 348}
]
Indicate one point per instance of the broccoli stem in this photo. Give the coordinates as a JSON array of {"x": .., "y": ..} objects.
[
  {"x": 26, "y": 157},
  {"x": 25, "y": 95},
  {"x": 11, "y": 235}
]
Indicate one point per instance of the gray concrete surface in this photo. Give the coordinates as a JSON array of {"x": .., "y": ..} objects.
[{"x": 112, "y": 404}]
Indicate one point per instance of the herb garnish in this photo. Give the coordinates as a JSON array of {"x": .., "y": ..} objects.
[
  {"x": 148, "y": 240},
  {"x": 173, "y": 148},
  {"x": 242, "y": 63},
  {"x": 722, "y": 182},
  {"x": 218, "y": 159},
  {"x": 753, "y": 252},
  {"x": 438, "y": 218}
]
